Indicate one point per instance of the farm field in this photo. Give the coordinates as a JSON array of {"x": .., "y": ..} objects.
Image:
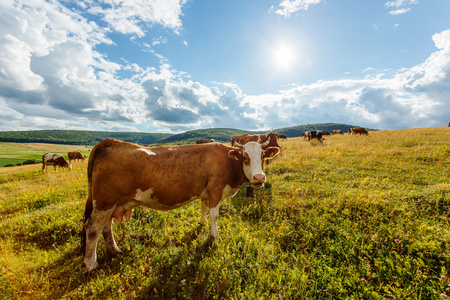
[
  {"x": 15, "y": 153},
  {"x": 359, "y": 217}
]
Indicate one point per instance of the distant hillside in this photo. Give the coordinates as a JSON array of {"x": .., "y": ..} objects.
[
  {"x": 221, "y": 135},
  {"x": 297, "y": 130},
  {"x": 78, "y": 137}
]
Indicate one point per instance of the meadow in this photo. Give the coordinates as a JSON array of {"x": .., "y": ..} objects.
[
  {"x": 17, "y": 153},
  {"x": 357, "y": 217}
]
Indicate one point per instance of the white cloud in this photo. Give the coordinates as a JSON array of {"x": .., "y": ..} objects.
[
  {"x": 288, "y": 7},
  {"x": 399, "y": 3},
  {"x": 399, "y": 11},
  {"x": 133, "y": 16}
]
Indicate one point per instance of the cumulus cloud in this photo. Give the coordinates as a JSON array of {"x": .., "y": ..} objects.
[
  {"x": 52, "y": 76},
  {"x": 288, "y": 7},
  {"x": 131, "y": 16}
]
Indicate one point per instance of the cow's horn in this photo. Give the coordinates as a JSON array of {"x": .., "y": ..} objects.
[{"x": 236, "y": 143}]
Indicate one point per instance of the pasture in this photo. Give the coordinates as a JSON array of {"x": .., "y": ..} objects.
[
  {"x": 359, "y": 217},
  {"x": 16, "y": 153}
]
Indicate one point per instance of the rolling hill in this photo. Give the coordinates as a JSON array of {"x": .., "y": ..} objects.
[{"x": 80, "y": 137}]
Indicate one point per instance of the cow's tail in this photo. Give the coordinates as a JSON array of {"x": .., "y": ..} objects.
[{"x": 98, "y": 149}]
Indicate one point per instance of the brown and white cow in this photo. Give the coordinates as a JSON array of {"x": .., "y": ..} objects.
[
  {"x": 123, "y": 175},
  {"x": 75, "y": 156},
  {"x": 337, "y": 131},
  {"x": 325, "y": 132},
  {"x": 259, "y": 138},
  {"x": 56, "y": 160}
]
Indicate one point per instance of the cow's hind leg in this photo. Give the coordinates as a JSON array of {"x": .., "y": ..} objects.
[
  {"x": 214, "y": 215},
  {"x": 204, "y": 211},
  {"x": 95, "y": 225},
  {"x": 110, "y": 243}
]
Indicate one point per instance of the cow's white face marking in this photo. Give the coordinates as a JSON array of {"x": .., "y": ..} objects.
[
  {"x": 148, "y": 151},
  {"x": 254, "y": 152}
]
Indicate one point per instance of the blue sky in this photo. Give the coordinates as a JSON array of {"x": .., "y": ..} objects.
[{"x": 178, "y": 65}]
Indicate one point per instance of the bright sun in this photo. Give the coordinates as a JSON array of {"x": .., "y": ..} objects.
[{"x": 284, "y": 56}]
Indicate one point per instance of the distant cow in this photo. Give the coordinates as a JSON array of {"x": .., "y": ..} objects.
[
  {"x": 123, "y": 175},
  {"x": 75, "y": 156},
  {"x": 325, "y": 132},
  {"x": 56, "y": 160},
  {"x": 357, "y": 130},
  {"x": 259, "y": 138},
  {"x": 201, "y": 141},
  {"x": 282, "y": 136},
  {"x": 337, "y": 131},
  {"x": 315, "y": 134},
  {"x": 305, "y": 135}
]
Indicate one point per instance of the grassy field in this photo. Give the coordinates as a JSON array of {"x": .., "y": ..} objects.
[
  {"x": 16, "y": 153},
  {"x": 359, "y": 217}
]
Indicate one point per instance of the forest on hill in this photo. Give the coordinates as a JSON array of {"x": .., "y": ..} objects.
[{"x": 82, "y": 137}]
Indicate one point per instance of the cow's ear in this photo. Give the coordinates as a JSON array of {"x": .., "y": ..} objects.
[
  {"x": 271, "y": 152},
  {"x": 235, "y": 154}
]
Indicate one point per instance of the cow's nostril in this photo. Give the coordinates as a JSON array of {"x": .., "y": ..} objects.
[{"x": 260, "y": 178}]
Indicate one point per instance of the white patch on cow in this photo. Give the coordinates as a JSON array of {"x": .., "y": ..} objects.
[
  {"x": 214, "y": 215},
  {"x": 254, "y": 152},
  {"x": 228, "y": 191},
  {"x": 148, "y": 151},
  {"x": 48, "y": 158},
  {"x": 146, "y": 198},
  {"x": 172, "y": 149}
]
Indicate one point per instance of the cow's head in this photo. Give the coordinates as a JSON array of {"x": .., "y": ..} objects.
[{"x": 252, "y": 157}]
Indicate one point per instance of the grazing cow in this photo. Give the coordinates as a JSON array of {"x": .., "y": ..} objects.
[
  {"x": 123, "y": 175},
  {"x": 75, "y": 156},
  {"x": 56, "y": 160},
  {"x": 325, "y": 132},
  {"x": 282, "y": 136},
  {"x": 305, "y": 135},
  {"x": 337, "y": 131},
  {"x": 201, "y": 141},
  {"x": 359, "y": 130},
  {"x": 315, "y": 134}
]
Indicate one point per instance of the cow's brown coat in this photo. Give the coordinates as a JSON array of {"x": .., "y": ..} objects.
[{"x": 122, "y": 175}]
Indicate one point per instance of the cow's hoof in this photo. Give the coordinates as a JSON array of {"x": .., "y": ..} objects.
[
  {"x": 89, "y": 266},
  {"x": 115, "y": 252}
]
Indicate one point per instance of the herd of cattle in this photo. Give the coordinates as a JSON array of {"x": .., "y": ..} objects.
[
  {"x": 122, "y": 176},
  {"x": 57, "y": 160}
]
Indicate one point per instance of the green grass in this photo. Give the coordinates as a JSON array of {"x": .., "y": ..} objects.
[
  {"x": 359, "y": 217},
  {"x": 17, "y": 153}
]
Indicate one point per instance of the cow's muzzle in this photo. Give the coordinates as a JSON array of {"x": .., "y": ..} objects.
[{"x": 258, "y": 180}]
